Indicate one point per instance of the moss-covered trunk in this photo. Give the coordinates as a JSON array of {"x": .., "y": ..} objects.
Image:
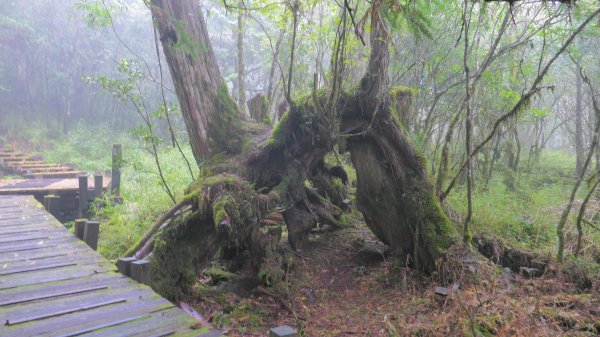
[
  {"x": 284, "y": 171},
  {"x": 394, "y": 192},
  {"x": 211, "y": 116}
]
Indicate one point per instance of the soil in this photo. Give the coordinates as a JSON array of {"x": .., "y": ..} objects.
[{"x": 331, "y": 292}]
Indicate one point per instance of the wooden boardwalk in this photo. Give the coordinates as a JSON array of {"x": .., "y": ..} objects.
[
  {"x": 53, "y": 284},
  {"x": 44, "y": 186}
]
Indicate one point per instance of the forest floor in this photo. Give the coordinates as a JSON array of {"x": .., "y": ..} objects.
[{"x": 335, "y": 290}]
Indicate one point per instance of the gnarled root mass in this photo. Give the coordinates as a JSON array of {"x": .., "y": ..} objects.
[{"x": 286, "y": 172}]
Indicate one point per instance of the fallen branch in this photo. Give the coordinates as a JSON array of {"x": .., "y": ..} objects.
[{"x": 157, "y": 225}]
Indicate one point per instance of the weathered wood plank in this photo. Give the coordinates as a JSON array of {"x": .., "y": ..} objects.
[
  {"x": 83, "y": 320},
  {"x": 40, "y": 254},
  {"x": 55, "y": 306},
  {"x": 22, "y": 294},
  {"x": 52, "y": 284},
  {"x": 52, "y": 275},
  {"x": 66, "y": 174},
  {"x": 28, "y": 245},
  {"x": 44, "y": 186},
  {"x": 149, "y": 324}
]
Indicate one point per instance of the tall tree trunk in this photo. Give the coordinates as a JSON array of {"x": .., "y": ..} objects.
[
  {"x": 241, "y": 67},
  {"x": 394, "y": 177},
  {"x": 210, "y": 114},
  {"x": 516, "y": 155},
  {"x": 578, "y": 122}
]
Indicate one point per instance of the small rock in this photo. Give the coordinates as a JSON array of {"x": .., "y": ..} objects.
[
  {"x": 441, "y": 291},
  {"x": 283, "y": 331}
]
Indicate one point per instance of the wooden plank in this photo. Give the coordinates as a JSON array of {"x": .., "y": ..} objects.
[
  {"x": 163, "y": 323},
  {"x": 13, "y": 165},
  {"x": 19, "y": 230},
  {"x": 38, "y": 291},
  {"x": 44, "y": 186},
  {"x": 27, "y": 245},
  {"x": 11, "y": 214},
  {"x": 23, "y": 264},
  {"x": 20, "y": 237},
  {"x": 45, "y": 253},
  {"x": 53, "y": 305},
  {"x": 12, "y": 249},
  {"x": 27, "y": 171},
  {"x": 12, "y": 159},
  {"x": 102, "y": 326},
  {"x": 18, "y": 258},
  {"x": 34, "y": 268},
  {"x": 21, "y": 223},
  {"x": 48, "y": 295},
  {"x": 34, "y": 164},
  {"x": 52, "y": 284},
  {"x": 66, "y": 174},
  {"x": 84, "y": 320},
  {"x": 64, "y": 312},
  {"x": 51, "y": 275}
]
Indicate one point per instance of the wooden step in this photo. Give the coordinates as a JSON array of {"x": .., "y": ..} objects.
[
  {"x": 45, "y": 169},
  {"x": 15, "y": 164},
  {"x": 67, "y": 174},
  {"x": 36, "y": 164},
  {"x": 16, "y": 157},
  {"x": 8, "y": 154}
]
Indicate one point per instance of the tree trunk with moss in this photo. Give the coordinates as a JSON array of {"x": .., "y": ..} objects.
[
  {"x": 258, "y": 108},
  {"x": 224, "y": 216},
  {"x": 211, "y": 116}
]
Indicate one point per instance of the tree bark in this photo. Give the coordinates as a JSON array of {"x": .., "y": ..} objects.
[
  {"x": 241, "y": 67},
  {"x": 258, "y": 108},
  {"x": 211, "y": 116}
]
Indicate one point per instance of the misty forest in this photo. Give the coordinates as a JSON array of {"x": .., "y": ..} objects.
[{"x": 342, "y": 167}]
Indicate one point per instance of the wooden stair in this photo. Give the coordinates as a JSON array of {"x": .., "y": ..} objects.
[{"x": 14, "y": 162}]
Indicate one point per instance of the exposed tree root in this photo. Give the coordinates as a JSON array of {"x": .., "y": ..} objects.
[{"x": 518, "y": 260}]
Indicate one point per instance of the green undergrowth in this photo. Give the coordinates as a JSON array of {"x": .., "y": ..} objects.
[
  {"x": 144, "y": 198},
  {"x": 524, "y": 208}
]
